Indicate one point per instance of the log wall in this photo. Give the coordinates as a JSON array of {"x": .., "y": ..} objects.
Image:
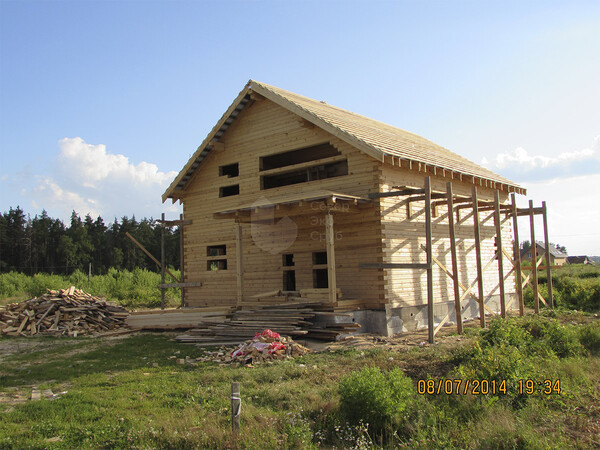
[
  {"x": 261, "y": 129},
  {"x": 403, "y": 237}
]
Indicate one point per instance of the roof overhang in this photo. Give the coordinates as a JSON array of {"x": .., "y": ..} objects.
[
  {"x": 255, "y": 90},
  {"x": 314, "y": 202}
]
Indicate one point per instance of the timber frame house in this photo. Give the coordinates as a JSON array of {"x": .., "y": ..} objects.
[{"x": 287, "y": 193}]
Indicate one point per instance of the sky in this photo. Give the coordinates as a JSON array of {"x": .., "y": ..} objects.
[{"x": 102, "y": 103}]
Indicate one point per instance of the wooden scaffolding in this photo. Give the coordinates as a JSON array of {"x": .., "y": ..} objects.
[{"x": 455, "y": 204}]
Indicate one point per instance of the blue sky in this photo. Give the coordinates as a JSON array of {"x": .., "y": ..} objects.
[{"x": 102, "y": 99}]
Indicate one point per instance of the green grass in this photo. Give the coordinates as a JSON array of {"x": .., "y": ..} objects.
[
  {"x": 136, "y": 289},
  {"x": 116, "y": 398},
  {"x": 575, "y": 286}
]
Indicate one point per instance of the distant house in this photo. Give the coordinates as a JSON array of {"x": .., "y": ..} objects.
[
  {"x": 557, "y": 258},
  {"x": 578, "y": 260}
]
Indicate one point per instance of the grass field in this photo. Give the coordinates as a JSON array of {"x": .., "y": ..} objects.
[
  {"x": 126, "y": 393},
  {"x": 135, "y": 289}
]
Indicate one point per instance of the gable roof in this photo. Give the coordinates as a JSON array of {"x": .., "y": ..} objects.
[
  {"x": 377, "y": 139},
  {"x": 553, "y": 250},
  {"x": 578, "y": 260}
]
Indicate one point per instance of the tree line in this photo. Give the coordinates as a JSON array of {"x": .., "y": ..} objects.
[{"x": 44, "y": 244}]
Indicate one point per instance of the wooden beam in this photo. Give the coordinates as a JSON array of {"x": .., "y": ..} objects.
[
  {"x": 428, "y": 244},
  {"x": 330, "y": 245},
  {"x": 393, "y": 266},
  {"x": 180, "y": 285},
  {"x": 534, "y": 259},
  {"x": 162, "y": 263},
  {"x": 151, "y": 257},
  {"x": 174, "y": 223},
  {"x": 304, "y": 165},
  {"x": 453, "y": 252},
  {"x": 548, "y": 262},
  {"x": 478, "y": 257},
  {"x": 239, "y": 263},
  {"x": 256, "y": 96},
  {"x": 499, "y": 252},
  {"x": 395, "y": 193},
  {"x": 456, "y": 199},
  {"x": 527, "y": 211},
  {"x": 467, "y": 291},
  {"x": 517, "y": 255},
  {"x": 181, "y": 256},
  {"x": 420, "y": 198},
  {"x": 475, "y": 281}
]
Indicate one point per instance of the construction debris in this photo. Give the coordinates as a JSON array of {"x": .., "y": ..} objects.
[
  {"x": 265, "y": 346},
  {"x": 67, "y": 312}
]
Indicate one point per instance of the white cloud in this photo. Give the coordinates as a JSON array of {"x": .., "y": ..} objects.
[
  {"x": 92, "y": 165},
  {"x": 573, "y": 212},
  {"x": 48, "y": 192},
  {"x": 91, "y": 180},
  {"x": 567, "y": 183},
  {"x": 520, "y": 164}
]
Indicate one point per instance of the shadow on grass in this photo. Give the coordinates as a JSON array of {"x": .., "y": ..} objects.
[{"x": 72, "y": 358}]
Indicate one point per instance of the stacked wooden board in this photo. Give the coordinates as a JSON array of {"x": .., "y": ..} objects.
[
  {"x": 172, "y": 319},
  {"x": 292, "y": 319},
  {"x": 68, "y": 312}
]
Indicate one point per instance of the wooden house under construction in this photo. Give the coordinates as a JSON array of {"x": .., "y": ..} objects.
[{"x": 287, "y": 193}]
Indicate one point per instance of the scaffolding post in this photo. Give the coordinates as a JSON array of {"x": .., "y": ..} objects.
[
  {"x": 548, "y": 269},
  {"x": 517, "y": 250},
  {"x": 162, "y": 262},
  {"x": 429, "y": 246},
  {"x": 534, "y": 274}
]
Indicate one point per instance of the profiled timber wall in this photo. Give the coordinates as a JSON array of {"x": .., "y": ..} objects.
[{"x": 404, "y": 235}]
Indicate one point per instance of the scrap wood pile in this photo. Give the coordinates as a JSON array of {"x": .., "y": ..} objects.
[
  {"x": 265, "y": 346},
  {"x": 68, "y": 312}
]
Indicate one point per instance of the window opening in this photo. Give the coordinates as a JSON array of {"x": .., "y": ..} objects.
[
  {"x": 289, "y": 280},
  {"x": 228, "y": 191},
  {"x": 319, "y": 172},
  {"x": 298, "y": 156},
  {"x": 229, "y": 170},
  {"x": 320, "y": 279}
]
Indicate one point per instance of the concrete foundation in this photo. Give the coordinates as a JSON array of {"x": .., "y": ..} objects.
[{"x": 412, "y": 318}]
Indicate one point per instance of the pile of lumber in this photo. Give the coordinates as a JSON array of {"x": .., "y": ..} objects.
[
  {"x": 290, "y": 319},
  {"x": 327, "y": 326},
  {"x": 67, "y": 312},
  {"x": 172, "y": 319},
  {"x": 293, "y": 313}
]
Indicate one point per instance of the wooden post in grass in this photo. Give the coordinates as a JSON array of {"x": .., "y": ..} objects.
[
  {"x": 429, "y": 246},
  {"x": 236, "y": 408},
  {"x": 517, "y": 256},
  {"x": 534, "y": 274},
  {"x": 477, "y": 233},
  {"x": 548, "y": 271},
  {"x": 455, "y": 279},
  {"x": 162, "y": 262}
]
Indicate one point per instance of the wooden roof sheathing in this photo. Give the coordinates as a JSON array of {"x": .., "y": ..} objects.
[{"x": 374, "y": 138}]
